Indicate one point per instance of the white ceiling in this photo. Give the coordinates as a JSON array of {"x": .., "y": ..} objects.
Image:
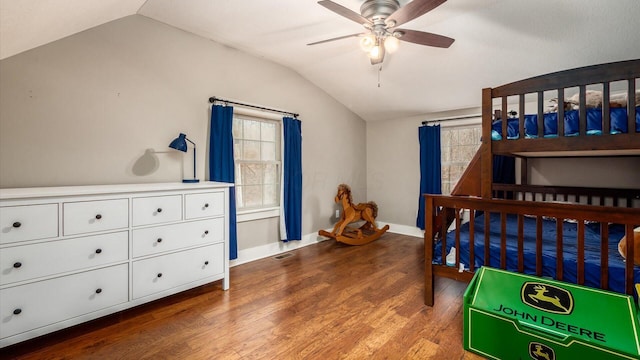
[{"x": 497, "y": 41}]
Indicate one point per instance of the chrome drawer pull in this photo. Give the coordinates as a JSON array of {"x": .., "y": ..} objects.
[
  {"x": 17, "y": 264},
  {"x": 17, "y": 224}
]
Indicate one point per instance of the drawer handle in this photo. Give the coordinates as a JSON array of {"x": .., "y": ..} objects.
[
  {"x": 159, "y": 240},
  {"x": 98, "y": 291},
  {"x": 159, "y": 275},
  {"x": 206, "y": 232},
  {"x": 98, "y": 217},
  {"x": 98, "y": 251},
  {"x": 17, "y": 224},
  {"x": 206, "y": 262},
  {"x": 159, "y": 210},
  {"x": 17, "y": 264},
  {"x": 206, "y": 205},
  {"x": 17, "y": 311}
]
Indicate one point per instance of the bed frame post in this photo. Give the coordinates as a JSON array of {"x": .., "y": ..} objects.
[{"x": 487, "y": 159}]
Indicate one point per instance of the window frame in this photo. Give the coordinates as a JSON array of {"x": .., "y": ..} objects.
[{"x": 268, "y": 211}]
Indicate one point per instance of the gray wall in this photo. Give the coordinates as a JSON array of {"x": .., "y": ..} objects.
[{"x": 101, "y": 106}]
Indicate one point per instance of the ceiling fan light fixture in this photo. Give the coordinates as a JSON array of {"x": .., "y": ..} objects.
[
  {"x": 391, "y": 44},
  {"x": 376, "y": 55},
  {"x": 367, "y": 42}
]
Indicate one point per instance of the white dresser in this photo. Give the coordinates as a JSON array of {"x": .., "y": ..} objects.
[{"x": 76, "y": 253}]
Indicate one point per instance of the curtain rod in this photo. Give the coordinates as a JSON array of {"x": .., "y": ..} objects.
[
  {"x": 451, "y": 118},
  {"x": 213, "y": 99}
]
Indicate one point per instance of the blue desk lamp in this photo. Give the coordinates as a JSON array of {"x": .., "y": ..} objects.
[{"x": 180, "y": 143}]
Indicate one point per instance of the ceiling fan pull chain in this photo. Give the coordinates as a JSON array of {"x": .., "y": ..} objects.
[{"x": 379, "y": 71}]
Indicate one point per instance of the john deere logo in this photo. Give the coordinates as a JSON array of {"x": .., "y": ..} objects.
[
  {"x": 547, "y": 298},
  {"x": 539, "y": 351}
]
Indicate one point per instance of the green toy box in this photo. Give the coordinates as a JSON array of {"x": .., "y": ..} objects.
[{"x": 515, "y": 316}]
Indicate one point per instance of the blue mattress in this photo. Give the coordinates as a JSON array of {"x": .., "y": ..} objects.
[
  {"x": 591, "y": 248},
  {"x": 619, "y": 124}
]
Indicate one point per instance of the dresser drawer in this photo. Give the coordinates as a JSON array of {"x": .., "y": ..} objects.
[
  {"x": 29, "y": 222},
  {"x": 42, "y": 303},
  {"x": 157, "y": 209},
  {"x": 91, "y": 216},
  {"x": 158, "y": 239},
  {"x": 165, "y": 272},
  {"x": 204, "y": 205},
  {"x": 36, "y": 260}
]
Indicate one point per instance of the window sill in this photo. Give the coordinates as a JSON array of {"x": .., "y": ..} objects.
[{"x": 257, "y": 214}]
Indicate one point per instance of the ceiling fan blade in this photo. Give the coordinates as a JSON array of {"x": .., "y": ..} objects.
[
  {"x": 424, "y": 38},
  {"x": 336, "y": 38},
  {"x": 341, "y": 10},
  {"x": 412, "y": 10}
]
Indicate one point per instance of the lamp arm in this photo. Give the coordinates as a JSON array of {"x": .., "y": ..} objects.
[{"x": 194, "y": 157}]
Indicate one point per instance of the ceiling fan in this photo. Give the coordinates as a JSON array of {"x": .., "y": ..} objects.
[{"x": 381, "y": 18}]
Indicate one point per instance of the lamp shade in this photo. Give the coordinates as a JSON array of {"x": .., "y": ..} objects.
[{"x": 179, "y": 143}]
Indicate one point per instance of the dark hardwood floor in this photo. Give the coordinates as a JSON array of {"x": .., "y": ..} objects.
[{"x": 325, "y": 301}]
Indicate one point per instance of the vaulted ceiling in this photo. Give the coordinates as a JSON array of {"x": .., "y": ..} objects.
[{"x": 496, "y": 41}]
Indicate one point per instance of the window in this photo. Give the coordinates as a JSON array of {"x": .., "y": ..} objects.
[
  {"x": 256, "y": 145},
  {"x": 459, "y": 144}
]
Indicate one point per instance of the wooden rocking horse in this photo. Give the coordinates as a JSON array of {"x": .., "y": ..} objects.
[{"x": 353, "y": 213}]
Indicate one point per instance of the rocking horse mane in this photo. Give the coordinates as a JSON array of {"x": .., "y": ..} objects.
[{"x": 347, "y": 190}]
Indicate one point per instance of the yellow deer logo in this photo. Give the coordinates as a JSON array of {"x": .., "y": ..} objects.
[
  {"x": 539, "y": 352},
  {"x": 547, "y": 298},
  {"x": 540, "y": 295}
]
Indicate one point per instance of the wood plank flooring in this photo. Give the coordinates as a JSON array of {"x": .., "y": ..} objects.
[{"x": 325, "y": 301}]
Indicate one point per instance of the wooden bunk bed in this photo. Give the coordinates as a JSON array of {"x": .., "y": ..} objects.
[{"x": 566, "y": 233}]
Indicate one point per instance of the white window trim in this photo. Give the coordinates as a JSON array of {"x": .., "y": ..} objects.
[
  {"x": 257, "y": 214},
  {"x": 262, "y": 213}
]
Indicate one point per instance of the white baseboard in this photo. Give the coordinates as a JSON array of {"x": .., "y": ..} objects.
[
  {"x": 276, "y": 248},
  {"x": 273, "y": 249},
  {"x": 403, "y": 229}
]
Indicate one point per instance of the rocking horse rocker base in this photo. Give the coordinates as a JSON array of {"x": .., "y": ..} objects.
[
  {"x": 356, "y": 236},
  {"x": 353, "y": 213}
]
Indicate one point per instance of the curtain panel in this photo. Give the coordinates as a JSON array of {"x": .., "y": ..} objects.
[
  {"x": 430, "y": 166},
  {"x": 221, "y": 164},
  {"x": 291, "y": 184}
]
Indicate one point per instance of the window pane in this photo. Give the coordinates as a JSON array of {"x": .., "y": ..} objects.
[
  {"x": 252, "y": 195},
  {"x": 251, "y": 174},
  {"x": 251, "y": 130},
  {"x": 270, "y": 195},
  {"x": 271, "y": 174},
  {"x": 236, "y": 129},
  {"x": 237, "y": 149},
  {"x": 268, "y": 151},
  {"x": 268, "y": 131},
  {"x": 251, "y": 150},
  {"x": 239, "y": 197}
]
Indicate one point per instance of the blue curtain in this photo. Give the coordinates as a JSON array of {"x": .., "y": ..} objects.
[
  {"x": 430, "y": 166},
  {"x": 221, "y": 165},
  {"x": 291, "y": 196}
]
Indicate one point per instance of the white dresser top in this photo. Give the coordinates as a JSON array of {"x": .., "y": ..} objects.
[{"x": 40, "y": 192}]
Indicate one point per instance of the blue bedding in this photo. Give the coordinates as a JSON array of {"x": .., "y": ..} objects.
[
  {"x": 619, "y": 124},
  {"x": 591, "y": 248}
]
